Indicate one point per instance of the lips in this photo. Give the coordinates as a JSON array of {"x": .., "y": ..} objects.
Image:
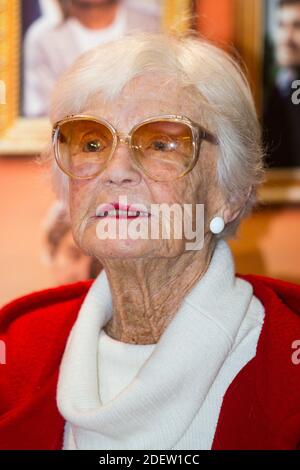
[{"x": 119, "y": 211}]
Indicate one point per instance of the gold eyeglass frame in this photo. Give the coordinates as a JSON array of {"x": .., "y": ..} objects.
[{"x": 199, "y": 134}]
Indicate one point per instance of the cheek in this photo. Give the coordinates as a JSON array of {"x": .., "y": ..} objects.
[
  {"x": 279, "y": 36},
  {"x": 79, "y": 191},
  {"x": 203, "y": 178},
  {"x": 80, "y": 201},
  {"x": 162, "y": 193},
  {"x": 186, "y": 190}
]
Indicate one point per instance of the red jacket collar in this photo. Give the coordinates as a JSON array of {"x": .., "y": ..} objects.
[
  {"x": 264, "y": 398},
  {"x": 260, "y": 410}
]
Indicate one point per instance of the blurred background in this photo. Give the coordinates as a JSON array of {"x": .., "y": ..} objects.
[{"x": 39, "y": 39}]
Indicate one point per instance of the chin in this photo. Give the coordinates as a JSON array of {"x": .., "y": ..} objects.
[
  {"x": 115, "y": 249},
  {"x": 132, "y": 249},
  {"x": 287, "y": 60},
  {"x": 126, "y": 248}
]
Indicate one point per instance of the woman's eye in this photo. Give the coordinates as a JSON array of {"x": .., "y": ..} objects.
[
  {"x": 163, "y": 145},
  {"x": 93, "y": 146}
]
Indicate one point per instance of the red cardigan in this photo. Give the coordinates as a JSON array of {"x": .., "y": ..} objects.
[{"x": 260, "y": 409}]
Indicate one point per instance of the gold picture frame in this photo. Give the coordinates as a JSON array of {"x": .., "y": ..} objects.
[
  {"x": 9, "y": 62},
  {"x": 23, "y": 136},
  {"x": 26, "y": 136}
]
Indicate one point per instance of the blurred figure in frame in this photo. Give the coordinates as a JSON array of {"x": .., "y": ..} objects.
[
  {"x": 52, "y": 45},
  {"x": 282, "y": 115}
]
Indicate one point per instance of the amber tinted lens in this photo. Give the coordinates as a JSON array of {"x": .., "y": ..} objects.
[
  {"x": 83, "y": 147},
  {"x": 164, "y": 148}
]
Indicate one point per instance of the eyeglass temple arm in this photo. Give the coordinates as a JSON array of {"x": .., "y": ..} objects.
[{"x": 208, "y": 136}]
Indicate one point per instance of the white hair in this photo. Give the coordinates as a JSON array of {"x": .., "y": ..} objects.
[{"x": 219, "y": 81}]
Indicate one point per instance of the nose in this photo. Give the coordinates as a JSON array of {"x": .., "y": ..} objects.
[
  {"x": 286, "y": 34},
  {"x": 120, "y": 169}
]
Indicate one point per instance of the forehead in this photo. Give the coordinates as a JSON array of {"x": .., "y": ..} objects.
[
  {"x": 289, "y": 13},
  {"x": 143, "y": 97}
]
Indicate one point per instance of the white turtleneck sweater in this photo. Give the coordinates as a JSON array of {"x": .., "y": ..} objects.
[{"x": 115, "y": 395}]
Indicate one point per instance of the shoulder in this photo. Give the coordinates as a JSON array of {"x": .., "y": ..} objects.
[
  {"x": 47, "y": 298},
  {"x": 52, "y": 294},
  {"x": 278, "y": 297},
  {"x": 34, "y": 330},
  {"x": 43, "y": 33},
  {"x": 271, "y": 381},
  {"x": 53, "y": 305},
  {"x": 280, "y": 334},
  {"x": 37, "y": 30}
]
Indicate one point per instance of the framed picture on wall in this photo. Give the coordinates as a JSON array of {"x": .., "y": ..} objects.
[
  {"x": 281, "y": 105},
  {"x": 64, "y": 30},
  {"x": 266, "y": 35},
  {"x": 42, "y": 37}
]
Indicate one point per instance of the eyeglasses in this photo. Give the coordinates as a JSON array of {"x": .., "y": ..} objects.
[{"x": 165, "y": 148}]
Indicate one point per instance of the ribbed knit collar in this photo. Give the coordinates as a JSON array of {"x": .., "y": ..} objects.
[{"x": 160, "y": 404}]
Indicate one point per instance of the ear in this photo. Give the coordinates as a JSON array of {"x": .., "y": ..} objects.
[
  {"x": 231, "y": 212},
  {"x": 230, "y": 215}
]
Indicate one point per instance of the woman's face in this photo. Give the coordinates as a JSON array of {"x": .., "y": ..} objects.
[{"x": 142, "y": 98}]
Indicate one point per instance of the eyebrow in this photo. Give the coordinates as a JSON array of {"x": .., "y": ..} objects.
[{"x": 205, "y": 134}]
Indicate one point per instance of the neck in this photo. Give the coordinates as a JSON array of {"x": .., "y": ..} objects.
[
  {"x": 292, "y": 69},
  {"x": 296, "y": 71},
  {"x": 146, "y": 294}
]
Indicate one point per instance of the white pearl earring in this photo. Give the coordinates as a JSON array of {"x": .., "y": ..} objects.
[{"x": 217, "y": 225}]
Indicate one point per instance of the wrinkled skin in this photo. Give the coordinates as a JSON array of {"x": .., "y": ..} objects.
[{"x": 148, "y": 278}]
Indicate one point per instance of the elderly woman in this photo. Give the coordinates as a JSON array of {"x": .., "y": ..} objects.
[{"x": 168, "y": 348}]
